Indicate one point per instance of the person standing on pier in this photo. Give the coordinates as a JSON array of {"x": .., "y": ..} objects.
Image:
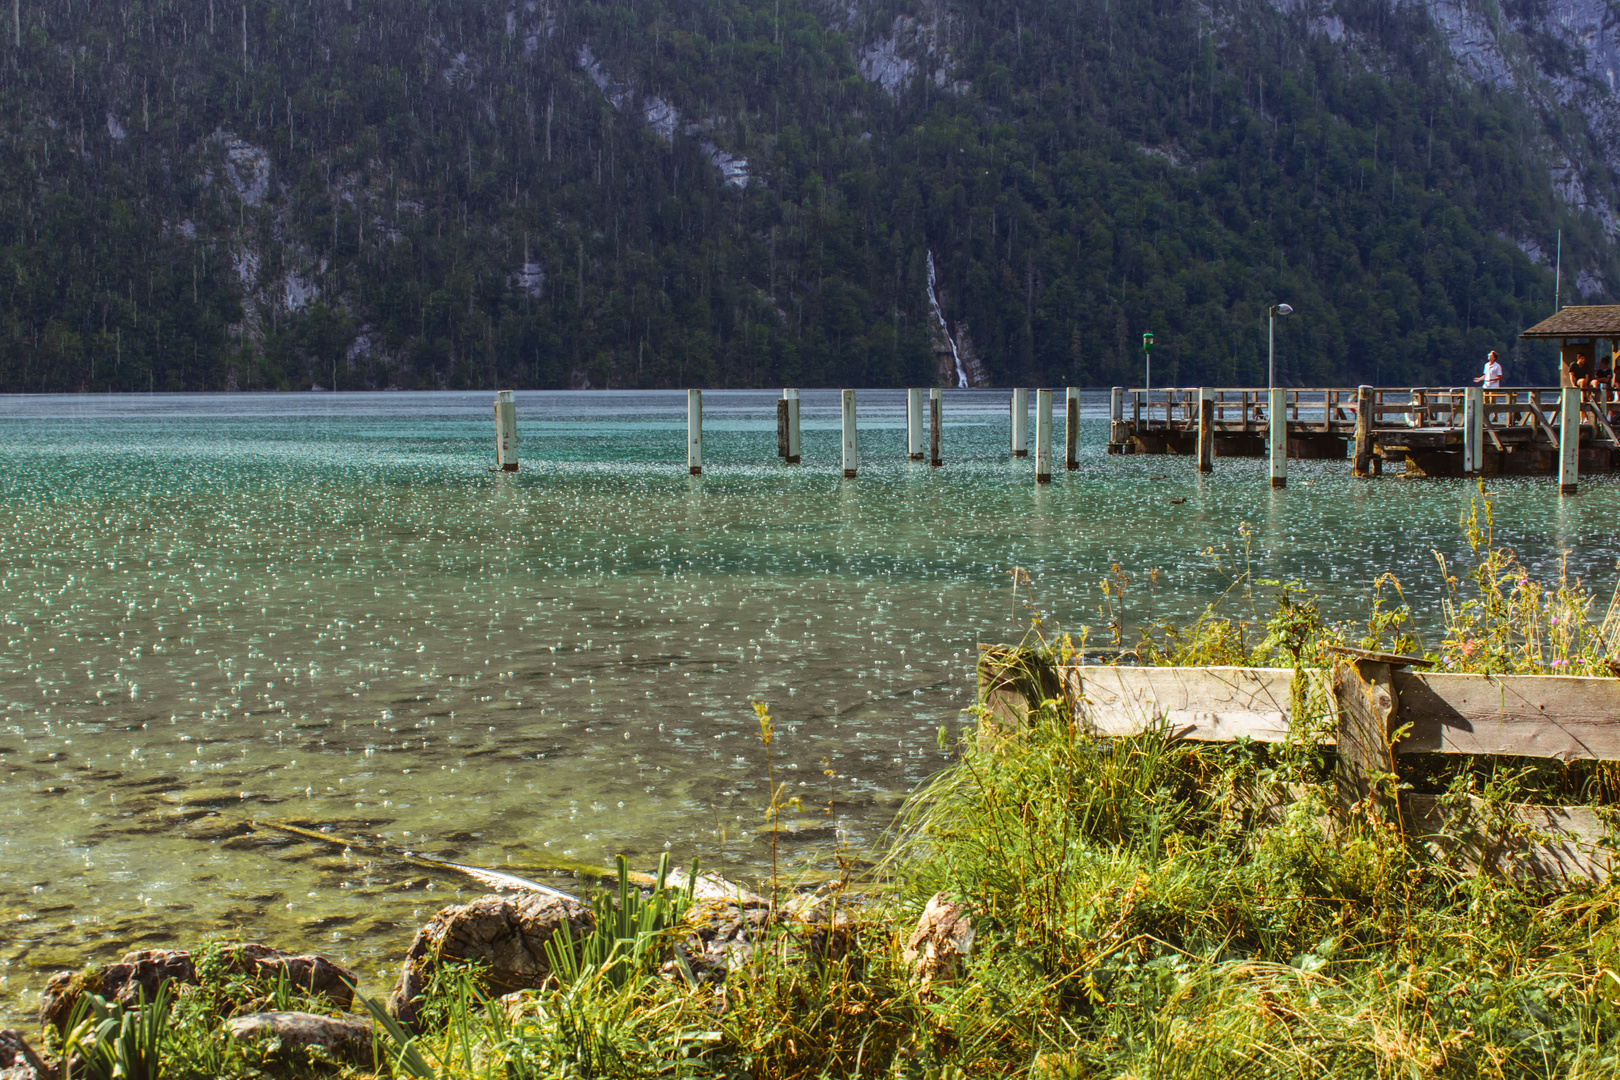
[{"x": 1492, "y": 378}]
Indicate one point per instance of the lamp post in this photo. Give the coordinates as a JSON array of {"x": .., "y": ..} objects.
[
  {"x": 1271, "y": 342},
  {"x": 1147, "y": 349}
]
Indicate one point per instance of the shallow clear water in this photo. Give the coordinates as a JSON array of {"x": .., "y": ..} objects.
[{"x": 325, "y": 609}]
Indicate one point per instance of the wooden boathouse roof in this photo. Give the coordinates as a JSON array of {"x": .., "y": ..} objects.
[{"x": 1589, "y": 320}]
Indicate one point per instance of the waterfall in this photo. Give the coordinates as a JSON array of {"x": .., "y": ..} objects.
[{"x": 961, "y": 376}]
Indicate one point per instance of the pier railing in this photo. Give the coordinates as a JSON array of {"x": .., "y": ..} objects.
[{"x": 1334, "y": 409}]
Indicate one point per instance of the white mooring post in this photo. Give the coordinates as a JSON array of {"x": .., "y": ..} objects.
[
  {"x": 1278, "y": 408},
  {"x": 1043, "y": 436},
  {"x": 1569, "y": 440},
  {"x": 506, "y": 450},
  {"x": 1473, "y": 430},
  {"x": 1071, "y": 428},
  {"x": 694, "y": 432},
  {"x": 850, "y": 463},
  {"x": 914, "y": 425},
  {"x": 1018, "y": 407},
  {"x": 792, "y": 399},
  {"x": 936, "y": 424},
  {"x": 1206, "y": 429}
]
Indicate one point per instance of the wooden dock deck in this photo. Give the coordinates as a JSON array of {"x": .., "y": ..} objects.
[{"x": 1425, "y": 429}]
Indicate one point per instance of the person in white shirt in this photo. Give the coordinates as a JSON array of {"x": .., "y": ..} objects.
[{"x": 1493, "y": 372}]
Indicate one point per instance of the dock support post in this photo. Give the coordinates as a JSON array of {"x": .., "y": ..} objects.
[
  {"x": 1019, "y": 409},
  {"x": 1569, "y": 439},
  {"x": 1278, "y": 415},
  {"x": 1071, "y": 428},
  {"x": 790, "y": 399},
  {"x": 1362, "y": 464},
  {"x": 1369, "y": 711},
  {"x": 1206, "y": 429},
  {"x": 1473, "y": 430},
  {"x": 1116, "y": 420},
  {"x": 914, "y": 425},
  {"x": 1043, "y": 436},
  {"x": 936, "y": 421},
  {"x": 506, "y": 456},
  {"x": 849, "y": 435},
  {"x": 694, "y": 432}
]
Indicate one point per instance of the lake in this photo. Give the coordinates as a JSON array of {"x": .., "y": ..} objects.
[{"x": 325, "y": 609}]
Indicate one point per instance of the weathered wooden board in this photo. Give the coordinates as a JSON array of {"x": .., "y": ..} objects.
[
  {"x": 1548, "y": 716},
  {"x": 1556, "y": 843},
  {"x": 1213, "y": 704}
]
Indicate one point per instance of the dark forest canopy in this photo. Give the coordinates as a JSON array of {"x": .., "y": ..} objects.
[{"x": 197, "y": 194}]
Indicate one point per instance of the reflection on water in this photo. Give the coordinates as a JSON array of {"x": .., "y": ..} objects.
[{"x": 325, "y": 609}]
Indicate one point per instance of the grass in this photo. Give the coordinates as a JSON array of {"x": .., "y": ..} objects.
[{"x": 1144, "y": 908}]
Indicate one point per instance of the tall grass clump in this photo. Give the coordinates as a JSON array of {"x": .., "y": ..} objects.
[{"x": 1152, "y": 908}]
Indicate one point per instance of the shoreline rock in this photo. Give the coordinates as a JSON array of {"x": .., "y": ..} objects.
[{"x": 145, "y": 971}]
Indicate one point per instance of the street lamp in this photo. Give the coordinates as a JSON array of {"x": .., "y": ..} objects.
[
  {"x": 1271, "y": 342},
  {"x": 1147, "y": 348}
]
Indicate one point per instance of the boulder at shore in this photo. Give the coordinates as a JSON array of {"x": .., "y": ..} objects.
[
  {"x": 144, "y": 972},
  {"x": 504, "y": 935}
]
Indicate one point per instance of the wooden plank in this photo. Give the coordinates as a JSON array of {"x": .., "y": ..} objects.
[
  {"x": 1553, "y": 844},
  {"x": 1213, "y": 704},
  {"x": 1369, "y": 709},
  {"x": 1565, "y": 717}
]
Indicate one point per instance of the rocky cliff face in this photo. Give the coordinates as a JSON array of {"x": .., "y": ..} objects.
[{"x": 1561, "y": 55}]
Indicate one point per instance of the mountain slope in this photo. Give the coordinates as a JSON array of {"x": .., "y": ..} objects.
[{"x": 204, "y": 196}]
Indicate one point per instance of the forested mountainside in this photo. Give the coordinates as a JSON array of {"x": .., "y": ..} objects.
[{"x": 209, "y": 194}]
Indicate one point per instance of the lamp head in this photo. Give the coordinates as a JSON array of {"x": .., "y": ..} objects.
[
  {"x": 1282, "y": 309},
  {"x": 1147, "y": 341}
]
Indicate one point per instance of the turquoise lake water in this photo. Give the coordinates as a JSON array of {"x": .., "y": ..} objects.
[{"x": 325, "y": 609}]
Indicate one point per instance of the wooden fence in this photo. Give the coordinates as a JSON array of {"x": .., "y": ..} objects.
[{"x": 1360, "y": 703}]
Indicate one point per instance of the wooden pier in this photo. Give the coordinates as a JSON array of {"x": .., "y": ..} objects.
[{"x": 1426, "y": 430}]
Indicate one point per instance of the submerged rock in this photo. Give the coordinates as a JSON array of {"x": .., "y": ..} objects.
[
  {"x": 939, "y": 946},
  {"x": 298, "y": 1030},
  {"x": 504, "y": 935},
  {"x": 143, "y": 973},
  {"x": 18, "y": 1060}
]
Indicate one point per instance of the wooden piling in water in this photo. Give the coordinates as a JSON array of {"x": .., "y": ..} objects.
[
  {"x": 1043, "y": 436},
  {"x": 1569, "y": 439},
  {"x": 1361, "y": 464},
  {"x": 694, "y": 432},
  {"x": 936, "y": 421},
  {"x": 1206, "y": 430},
  {"x": 1071, "y": 428},
  {"x": 914, "y": 424},
  {"x": 1277, "y": 409},
  {"x": 1018, "y": 409},
  {"x": 790, "y": 399},
  {"x": 850, "y": 463},
  {"x": 506, "y": 449}
]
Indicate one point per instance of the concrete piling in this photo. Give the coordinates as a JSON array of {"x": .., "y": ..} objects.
[
  {"x": 1071, "y": 428},
  {"x": 1018, "y": 408},
  {"x": 914, "y": 425},
  {"x": 1278, "y": 410},
  {"x": 506, "y": 447},
  {"x": 1043, "y": 436},
  {"x": 694, "y": 432},
  {"x": 850, "y": 463}
]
